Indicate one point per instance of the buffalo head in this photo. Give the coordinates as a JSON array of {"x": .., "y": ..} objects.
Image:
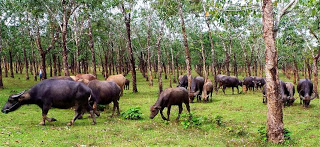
[
  {"x": 306, "y": 99},
  {"x": 154, "y": 111},
  {"x": 14, "y": 102}
]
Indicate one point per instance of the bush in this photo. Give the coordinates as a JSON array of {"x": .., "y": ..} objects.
[
  {"x": 263, "y": 134},
  {"x": 195, "y": 121},
  {"x": 132, "y": 113},
  {"x": 218, "y": 119}
]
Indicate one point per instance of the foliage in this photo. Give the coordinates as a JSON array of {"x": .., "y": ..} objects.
[
  {"x": 132, "y": 113},
  {"x": 194, "y": 122},
  {"x": 218, "y": 120},
  {"x": 263, "y": 134}
]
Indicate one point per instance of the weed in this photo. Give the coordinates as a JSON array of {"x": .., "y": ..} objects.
[
  {"x": 132, "y": 113},
  {"x": 218, "y": 120}
]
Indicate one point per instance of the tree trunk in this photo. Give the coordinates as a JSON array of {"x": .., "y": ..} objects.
[
  {"x": 127, "y": 20},
  {"x": 186, "y": 47},
  {"x": 315, "y": 76},
  {"x": 309, "y": 69},
  {"x": 5, "y": 66},
  {"x": 59, "y": 67},
  {"x": 159, "y": 58},
  {"x": 64, "y": 42},
  {"x": 274, "y": 103},
  {"x": 1, "y": 83},
  {"x": 203, "y": 59},
  {"x": 172, "y": 66},
  {"x": 26, "y": 63},
  {"x": 91, "y": 47},
  {"x": 11, "y": 64}
]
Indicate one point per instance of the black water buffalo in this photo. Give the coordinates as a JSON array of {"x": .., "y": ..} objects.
[
  {"x": 218, "y": 79},
  {"x": 103, "y": 93},
  {"x": 169, "y": 97},
  {"x": 305, "y": 88},
  {"x": 249, "y": 82},
  {"x": 53, "y": 93},
  {"x": 289, "y": 99},
  {"x": 229, "y": 81},
  {"x": 183, "y": 81},
  {"x": 196, "y": 88},
  {"x": 126, "y": 84},
  {"x": 259, "y": 82}
]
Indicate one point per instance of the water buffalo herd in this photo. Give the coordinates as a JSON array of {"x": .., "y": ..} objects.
[{"x": 84, "y": 93}]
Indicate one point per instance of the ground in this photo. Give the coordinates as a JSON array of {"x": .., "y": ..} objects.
[{"x": 242, "y": 116}]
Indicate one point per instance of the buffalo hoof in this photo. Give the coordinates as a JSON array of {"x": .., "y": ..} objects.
[
  {"x": 52, "y": 119},
  {"x": 80, "y": 117},
  {"x": 93, "y": 123},
  {"x": 69, "y": 124},
  {"x": 42, "y": 123}
]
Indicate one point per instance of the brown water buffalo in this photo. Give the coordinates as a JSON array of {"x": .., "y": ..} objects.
[
  {"x": 63, "y": 78},
  {"x": 305, "y": 90},
  {"x": 207, "y": 89},
  {"x": 196, "y": 88},
  {"x": 89, "y": 77},
  {"x": 53, "y": 93},
  {"x": 103, "y": 93},
  {"x": 126, "y": 84},
  {"x": 169, "y": 97},
  {"x": 119, "y": 79},
  {"x": 289, "y": 100},
  {"x": 229, "y": 81},
  {"x": 218, "y": 79}
]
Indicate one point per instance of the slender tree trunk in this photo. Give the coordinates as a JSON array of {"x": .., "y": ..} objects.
[
  {"x": 64, "y": 42},
  {"x": 59, "y": 67},
  {"x": 235, "y": 66},
  {"x": 315, "y": 75},
  {"x": 309, "y": 69},
  {"x": 159, "y": 58},
  {"x": 11, "y": 64},
  {"x": 91, "y": 47},
  {"x": 186, "y": 47},
  {"x": 274, "y": 103},
  {"x": 127, "y": 20},
  {"x": 203, "y": 59},
  {"x": 1, "y": 83},
  {"x": 172, "y": 66},
  {"x": 5, "y": 66}
]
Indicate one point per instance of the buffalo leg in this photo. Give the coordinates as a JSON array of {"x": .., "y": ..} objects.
[
  {"x": 180, "y": 110},
  {"x": 188, "y": 108},
  {"x": 45, "y": 110},
  {"x": 211, "y": 95},
  {"x": 232, "y": 90},
  {"x": 223, "y": 89},
  {"x": 168, "y": 112},
  {"x": 118, "y": 111},
  {"x": 93, "y": 117},
  {"x": 238, "y": 89},
  {"x": 164, "y": 118},
  {"x": 78, "y": 113}
]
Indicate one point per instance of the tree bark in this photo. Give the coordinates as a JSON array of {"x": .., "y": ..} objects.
[
  {"x": 91, "y": 47},
  {"x": 172, "y": 66},
  {"x": 274, "y": 103},
  {"x": 1, "y": 83},
  {"x": 203, "y": 59},
  {"x": 186, "y": 47},
  {"x": 11, "y": 64},
  {"x": 127, "y": 20},
  {"x": 159, "y": 58}
]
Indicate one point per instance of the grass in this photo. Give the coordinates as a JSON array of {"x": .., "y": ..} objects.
[{"x": 242, "y": 116}]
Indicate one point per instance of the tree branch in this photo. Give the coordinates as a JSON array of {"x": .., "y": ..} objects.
[
  {"x": 54, "y": 16},
  {"x": 282, "y": 12}
]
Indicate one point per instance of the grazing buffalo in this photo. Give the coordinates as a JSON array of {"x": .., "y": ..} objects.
[
  {"x": 53, "y": 93},
  {"x": 264, "y": 94},
  {"x": 229, "y": 81},
  {"x": 289, "y": 99},
  {"x": 119, "y": 79},
  {"x": 249, "y": 83},
  {"x": 103, "y": 93},
  {"x": 218, "y": 79},
  {"x": 63, "y": 78},
  {"x": 207, "y": 89},
  {"x": 89, "y": 77},
  {"x": 305, "y": 88},
  {"x": 286, "y": 90},
  {"x": 259, "y": 82},
  {"x": 183, "y": 81},
  {"x": 196, "y": 88},
  {"x": 126, "y": 84},
  {"x": 169, "y": 97}
]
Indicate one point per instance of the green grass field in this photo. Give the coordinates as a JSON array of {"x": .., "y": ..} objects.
[{"x": 242, "y": 116}]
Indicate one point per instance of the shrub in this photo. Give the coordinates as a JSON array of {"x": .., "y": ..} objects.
[
  {"x": 132, "y": 113},
  {"x": 263, "y": 134},
  {"x": 195, "y": 121},
  {"x": 218, "y": 119}
]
